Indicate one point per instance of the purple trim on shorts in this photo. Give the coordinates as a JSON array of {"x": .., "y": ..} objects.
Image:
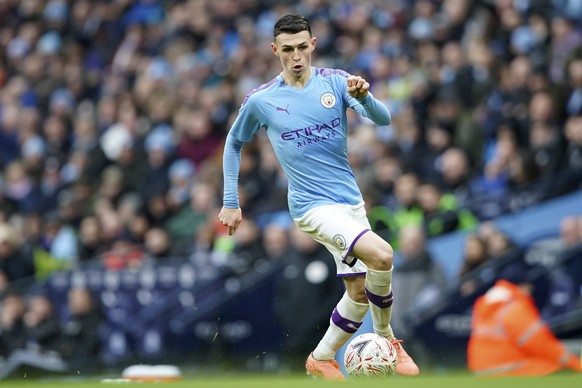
[
  {"x": 345, "y": 324},
  {"x": 344, "y": 275},
  {"x": 380, "y": 301},
  {"x": 352, "y": 246}
]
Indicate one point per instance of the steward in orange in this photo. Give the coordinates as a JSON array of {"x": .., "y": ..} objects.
[{"x": 508, "y": 337}]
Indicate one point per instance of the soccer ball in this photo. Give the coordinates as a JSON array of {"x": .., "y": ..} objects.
[{"x": 369, "y": 355}]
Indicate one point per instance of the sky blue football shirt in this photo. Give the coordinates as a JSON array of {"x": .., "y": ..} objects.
[{"x": 308, "y": 130}]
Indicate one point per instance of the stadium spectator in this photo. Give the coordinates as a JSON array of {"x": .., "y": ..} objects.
[
  {"x": 16, "y": 262},
  {"x": 508, "y": 337},
  {"x": 382, "y": 179},
  {"x": 138, "y": 227},
  {"x": 454, "y": 174},
  {"x": 80, "y": 342},
  {"x": 90, "y": 245},
  {"x": 497, "y": 172},
  {"x": 42, "y": 323},
  {"x": 273, "y": 208},
  {"x": 562, "y": 257},
  {"x": 157, "y": 245},
  {"x": 545, "y": 143},
  {"x": 191, "y": 218},
  {"x": 497, "y": 242},
  {"x": 474, "y": 255},
  {"x": 276, "y": 242},
  {"x": 573, "y": 133},
  {"x": 419, "y": 283},
  {"x": 410, "y": 146},
  {"x": 573, "y": 103},
  {"x": 248, "y": 248},
  {"x": 159, "y": 146},
  {"x": 12, "y": 332},
  {"x": 406, "y": 210},
  {"x": 380, "y": 218},
  {"x": 128, "y": 207},
  {"x": 198, "y": 141},
  {"x": 111, "y": 185},
  {"x": 43, "y": 336},
  {"x": 181, "y": 175},
  {"x": 566, "y": 36},
  {"x": 441, "y": 213},
  {"x": 130, "y": 162},
  {"x": 57, "y": 247},
  {"x": 21, "y": 189},
  {"x": 305, "y": 291},
  {"x": 439, "y": 138},
  {"x": 547, "y": 251}
]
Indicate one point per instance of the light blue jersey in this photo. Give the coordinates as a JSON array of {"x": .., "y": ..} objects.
[{"x": 308, "y": 130}]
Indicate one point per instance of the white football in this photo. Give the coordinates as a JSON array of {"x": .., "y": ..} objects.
[{"x": 369, "y": 355}]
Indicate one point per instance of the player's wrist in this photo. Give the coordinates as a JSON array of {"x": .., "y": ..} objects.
[{"x": 363, "y": 99}]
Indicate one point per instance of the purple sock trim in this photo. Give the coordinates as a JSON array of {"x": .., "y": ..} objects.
[
  {"x": 380, "y": 301},
  {"x": 343, "y": 323}
]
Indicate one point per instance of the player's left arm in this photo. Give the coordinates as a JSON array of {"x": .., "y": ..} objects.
[{"x": 363, "y": 102}]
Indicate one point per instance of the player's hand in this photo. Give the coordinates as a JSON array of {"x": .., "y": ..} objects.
[
  {"x": 357, "y": 86},
  {"x": 231, "y": 218}
]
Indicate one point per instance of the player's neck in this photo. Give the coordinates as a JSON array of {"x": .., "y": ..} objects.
[{"x": 297, "y": 82}]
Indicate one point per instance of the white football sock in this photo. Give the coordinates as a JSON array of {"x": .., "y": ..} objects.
[
  {"x": 345, "y": 320},
  {"x": 379, "y": 292}
]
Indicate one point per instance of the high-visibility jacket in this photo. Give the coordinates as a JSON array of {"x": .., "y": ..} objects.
[{"x": 508, "y": 337}]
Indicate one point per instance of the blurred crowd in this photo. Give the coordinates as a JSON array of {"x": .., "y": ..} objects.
[
  {"x": 33, "y": 333},
  {"x": 113, "y": 114}
]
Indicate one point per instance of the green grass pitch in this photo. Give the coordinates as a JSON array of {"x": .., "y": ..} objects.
[{"x": 564, "y": 380}]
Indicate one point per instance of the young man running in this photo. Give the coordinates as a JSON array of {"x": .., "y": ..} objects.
[{"x": 303, "y": 110}]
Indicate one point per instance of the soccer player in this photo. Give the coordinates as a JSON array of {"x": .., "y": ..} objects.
[{"x": 303, "y": 110}]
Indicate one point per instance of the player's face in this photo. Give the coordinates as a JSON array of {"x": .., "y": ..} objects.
[{"x": 294, "y": 50}]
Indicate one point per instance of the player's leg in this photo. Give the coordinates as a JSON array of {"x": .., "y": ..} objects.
[
  {"x": 345, "y": 232},
  {"x": 346, "y": 319},
  {"x": 377, "y": 254},
  {"x": 333, "y": 227}
]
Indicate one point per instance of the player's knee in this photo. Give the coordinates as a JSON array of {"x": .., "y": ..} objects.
[
  {"x": 382, "y": 260},
  {"x": 358, "y": 295},
  {"x": 355, "y": 287}
]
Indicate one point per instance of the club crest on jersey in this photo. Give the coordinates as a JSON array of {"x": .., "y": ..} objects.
[
  {"x": 339, "y": 241},
  {"x": 327, "y": 100}
]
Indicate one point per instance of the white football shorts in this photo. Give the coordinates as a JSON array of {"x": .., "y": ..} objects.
[{"x": 338, "y": 227}]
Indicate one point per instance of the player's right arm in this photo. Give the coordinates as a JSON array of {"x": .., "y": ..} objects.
[
  {"x": 243, "y": 130},
  {"x": 231, "y": 214}
]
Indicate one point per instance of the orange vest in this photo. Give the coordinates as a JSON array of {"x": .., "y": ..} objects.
[{"x": 508, "y": 337}]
